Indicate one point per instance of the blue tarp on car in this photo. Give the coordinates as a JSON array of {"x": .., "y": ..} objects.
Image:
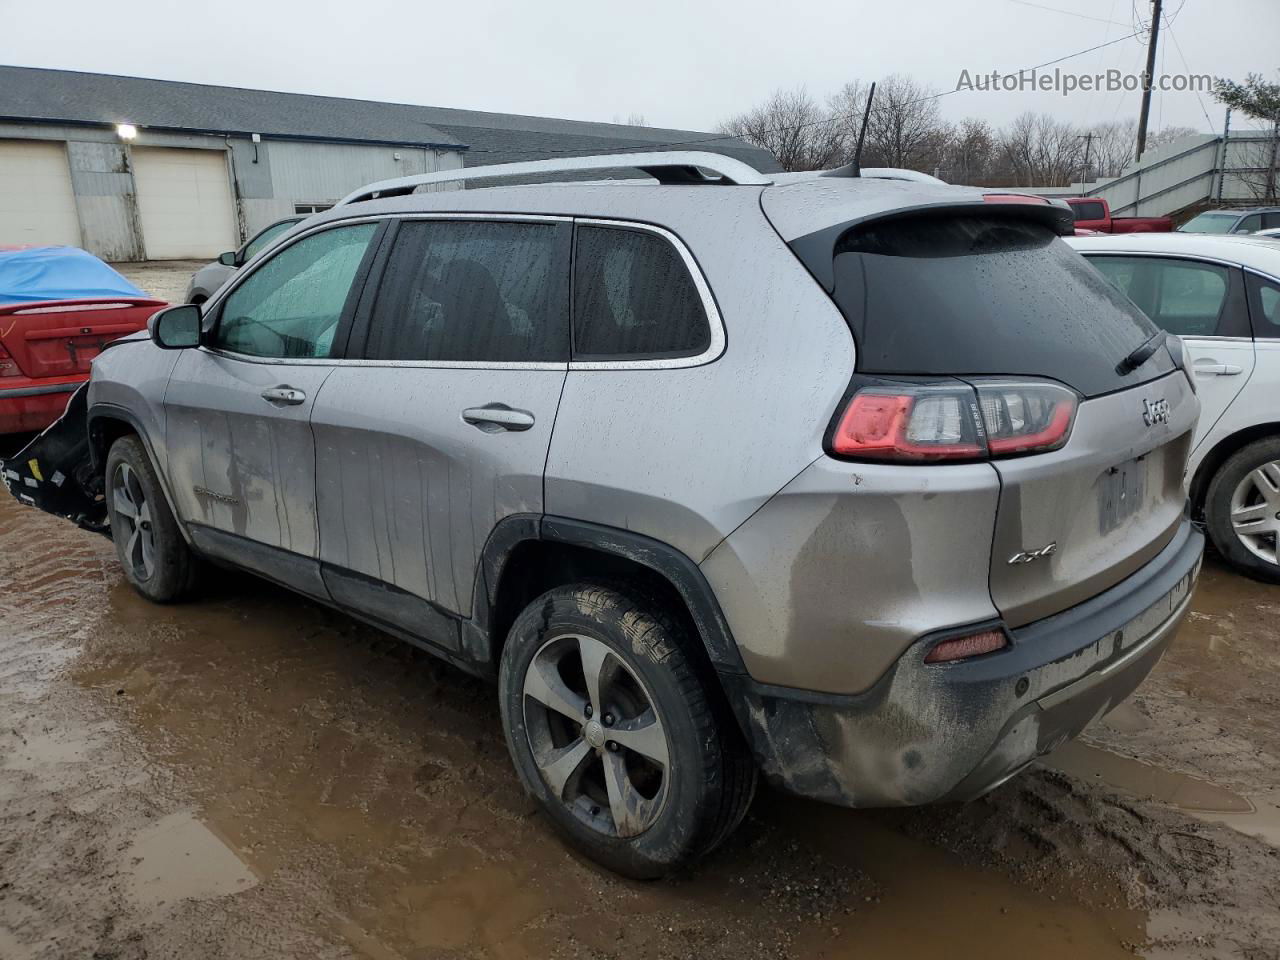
[{"x": 58, "y": 273}]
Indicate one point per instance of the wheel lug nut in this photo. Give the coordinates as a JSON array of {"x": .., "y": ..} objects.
[
  {"x": 588, "y": 710},
  {"x": 613, "y": 746},
  {"x": 608, "y": 719}
]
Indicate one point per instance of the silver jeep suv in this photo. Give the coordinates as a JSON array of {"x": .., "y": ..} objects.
[{"x": 870, "y": 485}]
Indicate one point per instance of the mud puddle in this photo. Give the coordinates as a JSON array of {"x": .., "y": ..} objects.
[{"x": 1253, "y": 816}]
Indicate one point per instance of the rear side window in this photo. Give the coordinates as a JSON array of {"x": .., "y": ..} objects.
[
  {"x": 985, "y": 295},
  {"x": 481, "y": 291},
  {"x": 1183, "y": 297},
  {"x": 1089, "y": 211},
  {"x": 1264, "y": 305},
  {"x": 633, "y": 298}
]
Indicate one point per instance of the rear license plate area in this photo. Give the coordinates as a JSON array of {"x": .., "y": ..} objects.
[{"x": 1122, "y": 493}]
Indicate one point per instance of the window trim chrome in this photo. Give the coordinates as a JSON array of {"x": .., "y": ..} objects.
[{"x": 715, "y": 348}]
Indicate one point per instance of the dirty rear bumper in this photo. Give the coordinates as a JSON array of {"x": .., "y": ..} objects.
[{"x": 926, "y": 733}]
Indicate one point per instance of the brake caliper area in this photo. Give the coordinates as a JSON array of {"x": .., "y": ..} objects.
[{"x": 55, "y": 471}]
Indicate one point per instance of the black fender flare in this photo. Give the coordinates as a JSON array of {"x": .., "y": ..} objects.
[
  {"x": 98, "y": 452},
  {"x": 662, "y": 558}
]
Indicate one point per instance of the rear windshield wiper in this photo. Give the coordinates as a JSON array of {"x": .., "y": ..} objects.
[{"x": 1141, "y": 354}]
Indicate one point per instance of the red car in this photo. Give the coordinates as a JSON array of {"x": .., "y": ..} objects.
[{"x": 59, "y": 306}]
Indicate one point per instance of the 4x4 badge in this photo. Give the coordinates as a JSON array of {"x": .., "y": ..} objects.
[
  {"x": 1029, "y": 556},
  {"x": 1155, "y": 411}
]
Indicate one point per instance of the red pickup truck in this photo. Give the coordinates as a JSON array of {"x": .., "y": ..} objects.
[{"x": 1094, "y": 213}]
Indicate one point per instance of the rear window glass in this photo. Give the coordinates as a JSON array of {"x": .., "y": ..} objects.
[
  {"x": 633, "y": 298},
  {"x": 1093, "y": 210},
  {"x": 985, "y": 295}
]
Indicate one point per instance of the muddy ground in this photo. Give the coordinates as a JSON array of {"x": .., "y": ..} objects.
[{"x": 252, "y": 775}]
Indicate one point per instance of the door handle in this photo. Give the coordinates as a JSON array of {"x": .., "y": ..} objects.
[
  {"x": 1211, "y": 369},
  {"x": 283, "y": 395},
  {"x": 493, "y": 417}
]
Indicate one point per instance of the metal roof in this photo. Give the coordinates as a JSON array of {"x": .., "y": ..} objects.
[
  {"x": 37, "y": 95},
  {"x": 1250, "y": 251}
]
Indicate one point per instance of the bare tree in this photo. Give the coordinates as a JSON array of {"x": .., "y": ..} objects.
[
  {"x": 971, "y": 155},
  {"x": 1110, "y": 150},
  {"x": 906, "y": 128},
  {"x": 636, "y": 120},
  {"x": 792, "y": 126},
  {"x": 1041, "y": 151}
]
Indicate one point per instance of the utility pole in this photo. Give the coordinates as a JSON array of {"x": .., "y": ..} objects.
[
  {"x": 1147, "y": 77},
  {"x": 1088, "y": 139}
]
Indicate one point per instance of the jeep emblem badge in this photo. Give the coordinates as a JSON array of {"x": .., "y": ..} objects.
[{"x": 1155, "y": 411}]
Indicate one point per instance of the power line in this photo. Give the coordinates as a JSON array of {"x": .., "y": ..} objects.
[
  {"x": 801, "y": 126},
  {"x": 1187, "y": 67},
  {"x": 1069, "y": 13}
]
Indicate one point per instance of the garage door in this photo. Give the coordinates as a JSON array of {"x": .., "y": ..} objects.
[
  {"x": 184, "y": 202},
  {"x": 37, "y": 205}
]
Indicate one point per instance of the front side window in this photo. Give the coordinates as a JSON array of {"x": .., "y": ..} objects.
[
  {"x": 292, "y": 304},
  {"x": 479, "y": 291},
  {"x": 633, "y": 297},
  {"x": 1183, "y": 297},
  {"x": 265, "y": 237}
]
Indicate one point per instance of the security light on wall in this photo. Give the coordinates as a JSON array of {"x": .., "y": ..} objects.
[{"x": 126, "y": 131}]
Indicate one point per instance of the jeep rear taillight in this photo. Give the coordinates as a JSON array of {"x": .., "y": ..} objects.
[
  {"x": 984, "y": 420},
  {"x": 918, "y": 423},
  {"x": 8, "y": 367}
]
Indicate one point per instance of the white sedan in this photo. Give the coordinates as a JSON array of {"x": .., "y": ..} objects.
[{"x": 1221, "y": 296}]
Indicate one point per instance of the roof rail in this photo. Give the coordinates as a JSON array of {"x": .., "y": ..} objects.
[
  {"x": 666, "y": 167},
  {"x": 881, "y": 173}
]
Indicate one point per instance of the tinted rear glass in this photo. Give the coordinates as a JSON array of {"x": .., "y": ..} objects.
[
  {"x": 1089, "y": 211},
  {"x": 985, "y": 295},
  {"x": 633, "y": 298}
]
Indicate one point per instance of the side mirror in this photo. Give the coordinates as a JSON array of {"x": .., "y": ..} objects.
[
  {"x": 228, "y": 259},
  {"x": 176, "y": 328}
]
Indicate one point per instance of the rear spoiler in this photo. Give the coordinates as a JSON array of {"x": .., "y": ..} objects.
[
  {"x": 814, "y": 249},
  {"x": 54, "y": 472}
]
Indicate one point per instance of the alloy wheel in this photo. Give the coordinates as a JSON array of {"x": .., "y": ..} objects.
[
  {"x": 1255, "y": 511},
  {"x": 596, "y": 736},
  {"x": 130, "y": 506}
]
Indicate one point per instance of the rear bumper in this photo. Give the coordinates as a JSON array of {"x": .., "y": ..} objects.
[
  {"x": 32, "y": 404},
  {"x": 926, "y": 733}
]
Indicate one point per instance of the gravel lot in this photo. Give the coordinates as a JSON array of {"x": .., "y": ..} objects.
[{"x": 252, "y": 775}]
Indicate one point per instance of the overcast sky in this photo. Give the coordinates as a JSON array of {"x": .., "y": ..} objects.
[{"x": 679, "y": 63}]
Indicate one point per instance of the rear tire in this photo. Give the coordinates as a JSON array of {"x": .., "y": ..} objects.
[
  {"x": 1242, "y": 509},
  {"x": 156, "y": 560},
  {"x": 642, "y": 770}
]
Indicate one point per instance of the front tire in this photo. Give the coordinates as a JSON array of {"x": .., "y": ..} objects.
[
  {"x": 617, "y": 734},
  {"x": 156, "y": 560},
  {"x": 1242, "y": 509}
]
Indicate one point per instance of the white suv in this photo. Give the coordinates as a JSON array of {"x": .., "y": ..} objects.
[{"x": 1221, "y": 295}]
